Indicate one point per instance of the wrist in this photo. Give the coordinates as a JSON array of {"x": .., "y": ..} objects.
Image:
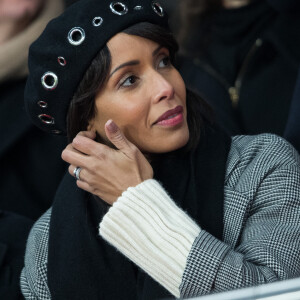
[{"x": 152, "y": 231}]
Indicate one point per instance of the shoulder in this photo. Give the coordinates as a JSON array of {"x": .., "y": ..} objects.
[
  {"x": 254, "y": 148},
  {"x": 254, "y": 157},
  {"x": 34, "y": 274}
]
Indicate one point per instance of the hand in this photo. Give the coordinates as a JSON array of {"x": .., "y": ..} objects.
[{"x": 107, "y": 172}]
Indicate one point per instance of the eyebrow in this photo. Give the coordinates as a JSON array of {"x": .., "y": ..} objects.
[
  {"x": 133, "y": 62},
  {"x": 129, "y": 63}
]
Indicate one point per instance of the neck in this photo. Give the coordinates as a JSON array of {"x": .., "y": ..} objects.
[{"x": 229, "y": 4}]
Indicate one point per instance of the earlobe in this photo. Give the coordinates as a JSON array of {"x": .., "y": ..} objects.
[{"x": 91, "y": 126}]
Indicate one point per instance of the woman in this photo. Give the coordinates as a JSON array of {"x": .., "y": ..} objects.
[
  {"x": 229, "y": 214},
  {"x": 235, "y": 52}
]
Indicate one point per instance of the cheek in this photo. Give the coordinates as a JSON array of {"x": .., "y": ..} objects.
[
  {"x": 132, "y": 119},
  {"x": 180, "y": 87},
  {"x": 129, "y": 115}
]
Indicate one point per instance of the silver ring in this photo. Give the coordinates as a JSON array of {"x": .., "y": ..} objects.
[{"x": 76, "y": 173}]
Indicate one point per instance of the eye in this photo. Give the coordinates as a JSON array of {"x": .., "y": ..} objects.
[
  {"x": 164, "y": 62},
  {"x": 128, "y": 81}
]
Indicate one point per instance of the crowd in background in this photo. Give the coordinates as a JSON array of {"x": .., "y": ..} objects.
[{"x": 244, "y": 61}]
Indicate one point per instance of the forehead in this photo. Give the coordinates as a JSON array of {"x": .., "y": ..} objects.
[{"x": 123, "y": 46}]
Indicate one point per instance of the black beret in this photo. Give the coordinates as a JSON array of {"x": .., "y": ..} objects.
[{"x": 59, "y": 58}]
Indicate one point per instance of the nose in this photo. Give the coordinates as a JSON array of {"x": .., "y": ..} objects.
[{"x": 164, "y": 90}]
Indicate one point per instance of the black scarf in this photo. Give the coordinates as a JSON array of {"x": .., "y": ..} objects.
[{"x": 81, "y": 265}]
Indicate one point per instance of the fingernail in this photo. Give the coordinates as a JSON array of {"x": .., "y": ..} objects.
[{"x": 111, "y": 125}]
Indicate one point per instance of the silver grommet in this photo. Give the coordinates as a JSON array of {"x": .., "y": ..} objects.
[
  {"x": 42, "y": 104},
  {"x": 61, "y": 60},
  {"x": 46, "y": 119},
  {"x": 118, "y": 8},
  {"x": 158, "y": 8},
  {"x": 49, "y": 81},
  {"x": 138, "y": 7},
  {"x": 97, "y": 21},
  {"x": 76, "y": 36},
  {"x": 56, "y": 132}
]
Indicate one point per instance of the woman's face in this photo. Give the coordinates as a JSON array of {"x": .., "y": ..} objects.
[{"x": 144, "y": 95}]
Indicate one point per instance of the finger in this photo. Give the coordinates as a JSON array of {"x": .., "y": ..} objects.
[
  {"x": 88, "y": 134},
  {"x": 71, "y": 148},
  {"x": 71, "y": 170},
  {"x": 84, "y": 186},
  {"x": 87, "y": 146},
  {"x": 74, "y": 157},
  {"x": 82, "y": 172},
  {"x": 116, "y": 136}
]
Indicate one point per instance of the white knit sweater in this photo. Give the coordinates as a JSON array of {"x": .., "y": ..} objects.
[{"x": 147, "y": 226}]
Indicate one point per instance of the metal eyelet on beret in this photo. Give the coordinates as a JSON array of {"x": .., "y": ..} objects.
[
  {"x": 61, "y": 60},
  {"x": 138, "y": 7},
  {"x": 49, "y": 81},
  {"x": 97, "y": 21},
  {"x": 42, "y": 104},
  {"x": 76, "y": 36},
  {"x": 158, "y": 8},
  {"x": 46, "y": 119},
  {"x": 118, "y": 8}
]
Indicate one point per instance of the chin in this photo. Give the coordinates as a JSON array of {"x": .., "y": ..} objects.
[
  {"x": 178, "y": 141},
  {"x": 170, "y": 144},
  {"x": 180, "y": 144}
]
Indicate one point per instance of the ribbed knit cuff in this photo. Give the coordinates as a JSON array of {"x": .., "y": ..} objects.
[{"x": 152, "y": 231}]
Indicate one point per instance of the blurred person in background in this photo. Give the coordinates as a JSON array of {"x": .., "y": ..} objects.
[
  {"x": 243, "y": 57},
  {"x": 29, "y": 176},
  {"x": 27, "y": 185}
]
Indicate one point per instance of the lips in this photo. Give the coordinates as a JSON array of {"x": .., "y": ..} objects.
[
  {"x": 169, "y": 115},
  {"x": 171, "y": 118}
]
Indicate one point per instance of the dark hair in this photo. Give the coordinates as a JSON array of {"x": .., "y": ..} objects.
[
  {"x": 193, "y": 23},
  {"x": 82, "y": 107}
]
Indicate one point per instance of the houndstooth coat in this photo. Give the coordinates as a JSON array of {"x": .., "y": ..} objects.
[{"x": 261, "y": 237}]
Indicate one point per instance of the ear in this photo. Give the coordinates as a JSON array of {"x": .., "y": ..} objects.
[{"x": 91, "y": 125}]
